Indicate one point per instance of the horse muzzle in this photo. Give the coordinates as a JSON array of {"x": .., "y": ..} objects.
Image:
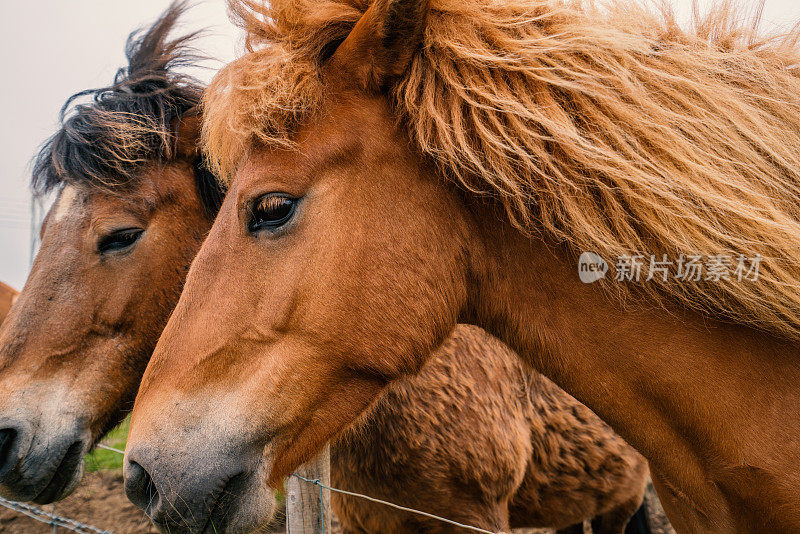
[
  {"x": 197, "y": 493},
  {"x": 40, "y": 463}
]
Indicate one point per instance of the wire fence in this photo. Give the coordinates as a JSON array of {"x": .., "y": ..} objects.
[
  {"x": 56, "y": 521},
  {"x": 317, "y": 482},
  {"x": 48, "y": 518}
]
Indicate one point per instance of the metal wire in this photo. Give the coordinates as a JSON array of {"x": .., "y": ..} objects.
[
  {"x": 317, "y": 482},
  {"x": 51, "y": 519},
  {"x": 108, "y": 448}
]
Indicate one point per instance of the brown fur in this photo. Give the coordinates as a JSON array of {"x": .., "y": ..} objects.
[
  {"x": 384, "y": 255},
  {"x": 7, "y": 297},
  {"x": 477, "y": 439}
]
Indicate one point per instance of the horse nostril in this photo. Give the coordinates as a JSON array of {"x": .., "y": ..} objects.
[
  {"x": 139, "y": 487},
  {"x": 7, "y": 437}
]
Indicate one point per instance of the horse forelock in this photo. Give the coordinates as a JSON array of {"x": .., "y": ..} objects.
[
  {"x": 110, "y": 134},
  {"x": 612, "y": 130}
]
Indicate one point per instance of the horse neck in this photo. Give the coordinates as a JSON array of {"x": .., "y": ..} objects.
[{"x": 701, "y": 400}]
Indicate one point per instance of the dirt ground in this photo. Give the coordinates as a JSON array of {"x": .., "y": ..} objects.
[{"x": 100, "y": 502}]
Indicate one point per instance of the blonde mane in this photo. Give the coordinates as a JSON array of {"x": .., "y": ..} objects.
[{"x": 610, "y": 129}]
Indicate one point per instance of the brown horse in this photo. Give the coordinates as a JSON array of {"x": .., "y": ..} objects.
[
  {"x": 8, "y": 295},
  {"x": 529, "y": 454},
  {"x": 397, "y": 168},
  {"x": 133, "y": 208}
]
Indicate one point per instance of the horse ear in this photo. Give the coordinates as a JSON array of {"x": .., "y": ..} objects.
[
  {"x": 382, "y": 43},
  {"x": 187, "y": 136}
]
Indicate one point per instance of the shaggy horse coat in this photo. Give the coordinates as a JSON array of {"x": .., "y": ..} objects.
[{"x": 477, "y": 438}]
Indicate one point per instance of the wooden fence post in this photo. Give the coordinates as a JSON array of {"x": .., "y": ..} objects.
[{"x": 304, "y": 511}]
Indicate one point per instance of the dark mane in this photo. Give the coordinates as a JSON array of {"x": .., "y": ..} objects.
[{"x": 107, "y": 141}]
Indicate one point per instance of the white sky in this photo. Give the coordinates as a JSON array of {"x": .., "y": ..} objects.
[{"x": 51, "y": 49}]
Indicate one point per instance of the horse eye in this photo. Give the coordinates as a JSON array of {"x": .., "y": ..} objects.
[
  {"x": 119, "y": 240},
  {"x": 271, "y": 212}
]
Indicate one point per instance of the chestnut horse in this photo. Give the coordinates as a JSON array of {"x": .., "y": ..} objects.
[
  {"x": 399, "y": 166},
  {"x": 8, "y": 295},
  {"x": 529, "y": 454}
]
